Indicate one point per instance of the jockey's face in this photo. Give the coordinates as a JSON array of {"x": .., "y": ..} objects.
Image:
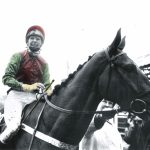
[{"x": 34, "y": 43}]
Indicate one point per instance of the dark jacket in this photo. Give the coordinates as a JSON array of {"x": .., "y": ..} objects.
[{"x": 138, "y": 136}]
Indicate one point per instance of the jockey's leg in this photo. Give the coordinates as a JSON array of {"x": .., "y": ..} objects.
[
  {"x": 13, "y": 107},
  {"x": 12, "y": 114}
]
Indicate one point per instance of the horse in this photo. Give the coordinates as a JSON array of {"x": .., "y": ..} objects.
[{"x": 62, "y": 119}]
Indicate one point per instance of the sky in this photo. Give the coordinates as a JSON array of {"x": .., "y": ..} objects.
[{"x": 75, "y": 29}]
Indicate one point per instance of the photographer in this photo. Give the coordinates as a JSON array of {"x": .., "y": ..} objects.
[{"x": 134, "y": 133}]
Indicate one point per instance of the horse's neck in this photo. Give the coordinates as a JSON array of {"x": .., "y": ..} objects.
[
  {"x": 84, "y": 81},
  {"x": 89, "y": 71}
]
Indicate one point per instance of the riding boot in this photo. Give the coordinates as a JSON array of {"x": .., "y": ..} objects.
[
  {"x": 8, "y": 133},
  {"x": 5, "y": 135}
]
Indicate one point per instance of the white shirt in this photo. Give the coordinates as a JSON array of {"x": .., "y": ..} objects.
[{"x": 106, "y": 138}]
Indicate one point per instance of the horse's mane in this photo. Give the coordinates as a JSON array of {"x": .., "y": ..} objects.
[{"x": 70, "y": 76}]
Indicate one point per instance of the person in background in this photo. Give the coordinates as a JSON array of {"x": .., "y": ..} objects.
[
  {"x": 102, "y": 134},
  {"x": 137, "y": 133},
  {"x": 26, "y": 73}
]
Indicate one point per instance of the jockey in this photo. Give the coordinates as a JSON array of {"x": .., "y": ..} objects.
[{"x": 26, "y": 73}]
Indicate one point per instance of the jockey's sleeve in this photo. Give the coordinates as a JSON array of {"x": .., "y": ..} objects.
[
  {"x": 46, "y": 75},
  {"x": 11, "y": 71}
]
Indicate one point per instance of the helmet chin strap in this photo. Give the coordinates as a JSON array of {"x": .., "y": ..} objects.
[{"x": 33, "y": 52}]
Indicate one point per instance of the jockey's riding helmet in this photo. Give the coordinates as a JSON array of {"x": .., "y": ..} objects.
[{"x": 35, "y": 30}]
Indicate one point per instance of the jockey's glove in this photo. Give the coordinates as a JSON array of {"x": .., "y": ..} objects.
[
  {"x": 49, "y": 92},
  {"x": 32, "y": 87}
]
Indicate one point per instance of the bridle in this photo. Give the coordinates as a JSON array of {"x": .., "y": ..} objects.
[
  {"x": 69, "y": 111},
  {"x": 133, "y": 102}
]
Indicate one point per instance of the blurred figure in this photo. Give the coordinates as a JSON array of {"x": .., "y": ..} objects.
[
  {"x": 137, "y": 133},
  {"x": 102, "y": 134}
]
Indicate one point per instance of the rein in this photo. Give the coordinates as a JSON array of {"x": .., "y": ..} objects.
[
  {"x": 68, "y": 111},
  {"x": 47, "y": 138},
  {"x": 36, "y": 126}
]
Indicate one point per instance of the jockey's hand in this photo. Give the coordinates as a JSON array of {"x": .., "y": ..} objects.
[
  {"x": 32, "y": 87},
  {"x": 49, "y": 92}
]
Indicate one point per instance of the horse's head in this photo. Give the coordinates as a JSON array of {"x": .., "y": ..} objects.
[
  {"x": 108, "y": 74},
  {"x": 122, "y": 81}
]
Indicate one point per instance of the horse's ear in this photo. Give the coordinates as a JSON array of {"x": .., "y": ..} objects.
[
  {"x": 122, "y": 43},
  {"x": 114, "y": 45}
]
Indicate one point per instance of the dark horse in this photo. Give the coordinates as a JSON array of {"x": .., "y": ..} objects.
[{"x": 108, "y": 74}]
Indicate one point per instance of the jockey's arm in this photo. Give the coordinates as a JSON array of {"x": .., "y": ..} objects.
[
  {"x": 46, "y": 79},
  {"x": 11, "y": 71}
]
